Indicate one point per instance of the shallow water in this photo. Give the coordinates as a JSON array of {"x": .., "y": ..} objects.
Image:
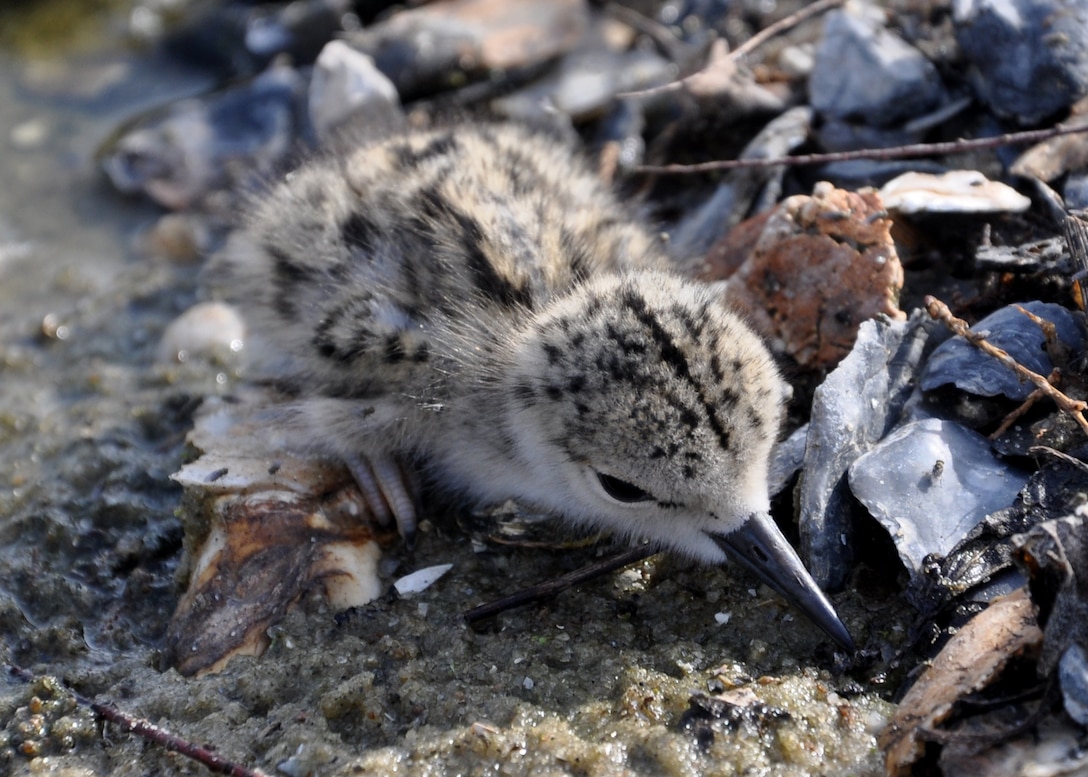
[{"x": 70, "y": 284}]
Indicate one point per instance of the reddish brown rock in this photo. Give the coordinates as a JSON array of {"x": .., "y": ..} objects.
[{"x": 816, "y": 269}]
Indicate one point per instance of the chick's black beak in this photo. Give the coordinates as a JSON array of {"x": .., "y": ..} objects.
[{"x": 760, "y": 546}]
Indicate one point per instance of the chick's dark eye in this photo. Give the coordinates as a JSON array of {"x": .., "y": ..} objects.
[{"x": 621, "y": 490}]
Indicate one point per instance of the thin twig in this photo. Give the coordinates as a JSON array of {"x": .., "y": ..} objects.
[
  {"x": 550, "y": 588},
  {"x": 720, "y": 56},
  {"x": 784, "y": 24},
  {"x": 883, "y": 154},
  {"x": 1025, "y": 406},
  {"x": 940, "y": 311},
  {"x": 655, "y": 30},
  {"x": 152, "y": 733},
  {"x": 1050, "y": 332},
  {"x": 1038, "y": 449}
]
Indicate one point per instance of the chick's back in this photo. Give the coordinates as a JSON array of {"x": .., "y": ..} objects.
[{"x": 374, "y": 272}]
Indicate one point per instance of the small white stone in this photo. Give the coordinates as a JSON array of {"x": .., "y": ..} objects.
[
  {"x": 30, "y": 134},
  {"x": 207, "y": 329},
  {"x": 344, "y": 81}
]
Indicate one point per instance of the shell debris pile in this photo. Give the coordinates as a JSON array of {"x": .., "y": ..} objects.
[{"x": 261, "y": 533}]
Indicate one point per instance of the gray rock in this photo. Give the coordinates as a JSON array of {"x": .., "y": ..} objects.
[
  {"x": 852, "y": 410},
  {"x": 345, "y": 83},
  {"x": 1075, "y": 191},
  {"x": 585, "y": 82},
  {"x": 969, "y": 369},
  {"x": 186, "y": 154},
  {"x": 1073, "y": 674},
  {"x": 931, "y": 482},
  {"x": 1029, "y": 57},
  {"x": 787, "y": 458},
  {"x": 867, "y": 74},
  {"x": 734, "y": 197}
]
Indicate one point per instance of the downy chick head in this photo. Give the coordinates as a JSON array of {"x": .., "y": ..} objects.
[
  {"x": 648, "y": 409},
  {"x": 645, "y": 407}
]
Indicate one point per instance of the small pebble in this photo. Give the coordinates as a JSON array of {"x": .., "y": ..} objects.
[
  {"x": 865, "y": 73},
  {"x": 29, "y": 134},
  {"x": 346, "y": 83},
  {"x": 53, "y": 329},
  {"x": 206, "y": 330},
  {"x": 1029, "y": 58},
  {"x": 183, "y": 238}
]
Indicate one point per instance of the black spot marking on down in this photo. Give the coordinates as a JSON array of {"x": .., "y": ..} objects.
[
  {"x": 359, "y": 231},
  {"x": 408, "y": 158},
  {"x": 393, "y": 350},
  {"x": 552, "y": 351},
  {"x": 473, "y": 242},
  {"x": 287, "y": 275},
  {"x": 327, "y": 345},
  {"x": 672, "y": 356}
]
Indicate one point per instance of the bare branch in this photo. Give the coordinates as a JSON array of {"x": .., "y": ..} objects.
[
  {"x": 896, "y": 152},
  {"x": 940, "y": 311},
  {"x": 152, "y": 733},
  {"x": 721, "y": 60},
  {"x": 783, "y": 24},
  {"x": 550, "y": 588}
]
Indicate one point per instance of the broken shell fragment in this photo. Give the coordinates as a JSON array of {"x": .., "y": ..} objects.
[
  {"x": 258, "y": 534},
  {"x": 421, "y": 579},
  {"x": 852, "y": 410},
  {"x": 957, "y": 191},
  {"x": 929, "y": 483},
  {"x": 958, "y": 362}
]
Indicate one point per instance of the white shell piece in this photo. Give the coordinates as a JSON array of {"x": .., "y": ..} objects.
[
  {"x": 957, "y": 191},
  {"x": 421, "y": 579}
]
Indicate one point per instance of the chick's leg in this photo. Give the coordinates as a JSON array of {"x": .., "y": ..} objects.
[
  {"x": 389, "y": 490},
  {"x": 340, "y": 429}
]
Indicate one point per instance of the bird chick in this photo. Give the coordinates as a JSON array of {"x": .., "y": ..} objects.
[{"x": 474, "y": 302}]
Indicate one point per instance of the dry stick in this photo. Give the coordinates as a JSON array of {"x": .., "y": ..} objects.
[
  {"x": 1032, "y": 398},
  {"x": 742, "y": 50},
  {"x": 883, "y": 154},
  {"x": 152, "y": 733},
  {"x": 655, "y": 30},
  {"x": 1054, "y": 378},
  {"x": 940, "y": 311},
  {"x": 1049, "y": 330},
  {"x": 1039, "y": 449},
  {"x": 550, "y": 588},
  {"x": 784, "y": 24}
]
